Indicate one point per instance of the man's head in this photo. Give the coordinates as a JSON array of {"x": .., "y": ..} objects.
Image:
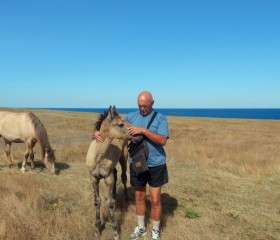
[{"x": 145, "y": 102}]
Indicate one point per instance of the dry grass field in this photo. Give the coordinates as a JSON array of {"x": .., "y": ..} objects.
[{"x": 224, "y": 183}]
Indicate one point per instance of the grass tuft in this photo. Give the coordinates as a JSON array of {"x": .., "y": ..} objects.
[{"x": 191, "y": 213}]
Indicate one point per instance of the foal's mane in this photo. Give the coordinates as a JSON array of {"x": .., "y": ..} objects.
[
  {"x": 102, "y": 117},
  {"x": 40, "y": 131}
]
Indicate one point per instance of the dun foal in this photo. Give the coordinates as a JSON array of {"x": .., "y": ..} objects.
[{"x": 102, "y": 158}]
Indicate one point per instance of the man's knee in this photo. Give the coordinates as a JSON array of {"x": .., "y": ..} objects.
[{"x": 155, "y": 201}]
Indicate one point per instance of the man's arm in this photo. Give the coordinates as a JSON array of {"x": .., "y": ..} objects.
[{"x": 154, "y": 137}]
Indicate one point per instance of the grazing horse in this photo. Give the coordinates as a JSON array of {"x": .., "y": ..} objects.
[
  {"x": 26, "y": 127},
  {"x": 102, "y": 158}
]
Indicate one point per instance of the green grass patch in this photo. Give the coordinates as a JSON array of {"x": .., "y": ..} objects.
[{"x": 191, "y": 213}]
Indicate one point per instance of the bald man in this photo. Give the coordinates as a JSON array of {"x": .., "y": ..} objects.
[{"x": 156, "y": 137}]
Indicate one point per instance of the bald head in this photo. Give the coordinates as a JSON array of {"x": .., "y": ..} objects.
[
  {"x": 145, "y": 102},
  {"x": 145, "y": 95}
]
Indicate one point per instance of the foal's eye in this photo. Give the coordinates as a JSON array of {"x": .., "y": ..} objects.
[{"x": 121, "y": 125}]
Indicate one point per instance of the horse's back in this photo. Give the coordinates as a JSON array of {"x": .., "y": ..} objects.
[{"x": 15, "y": 126}]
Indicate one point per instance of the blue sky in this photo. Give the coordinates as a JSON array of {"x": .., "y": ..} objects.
[{"x": 188, "y": 53}]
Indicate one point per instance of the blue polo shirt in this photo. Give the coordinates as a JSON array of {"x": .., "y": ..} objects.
[{"x": 157, "y": 154}]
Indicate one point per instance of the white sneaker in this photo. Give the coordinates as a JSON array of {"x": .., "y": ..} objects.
[
  {"x": 155, "y": 235},
  {"x": 138, "y": 232}
]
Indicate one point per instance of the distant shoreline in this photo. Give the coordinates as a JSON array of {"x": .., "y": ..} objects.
[{"x": 246, "y": 113}]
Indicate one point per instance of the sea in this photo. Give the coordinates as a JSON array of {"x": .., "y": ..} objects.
[{"x": 247, "y": 113}]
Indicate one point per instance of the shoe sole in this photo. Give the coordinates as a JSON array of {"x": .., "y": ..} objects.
[{"x": 143, "y": 236}]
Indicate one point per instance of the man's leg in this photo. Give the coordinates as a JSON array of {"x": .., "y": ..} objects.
[
  {"x": 140, "y": 196},
  {"x": 156, "y": 210}
]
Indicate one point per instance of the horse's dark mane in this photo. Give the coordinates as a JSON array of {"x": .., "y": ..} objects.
[
  {"x": 101, "y": 118},
  {"x": 40, "y": 131}
]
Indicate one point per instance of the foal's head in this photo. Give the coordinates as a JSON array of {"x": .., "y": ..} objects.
[{"x": 112, "y": 125}]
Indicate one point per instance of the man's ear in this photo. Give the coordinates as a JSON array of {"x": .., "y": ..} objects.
[{"x": 153, "y": 102}]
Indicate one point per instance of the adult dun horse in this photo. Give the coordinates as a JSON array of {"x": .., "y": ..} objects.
[
  {"x": 102, "y": 158},
  {"x": 26, "y": 127}
]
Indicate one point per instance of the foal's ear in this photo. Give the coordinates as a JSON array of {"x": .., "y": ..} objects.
[
  {"x": 115, "y": 110},
  {"x": 110, "y": 113}
]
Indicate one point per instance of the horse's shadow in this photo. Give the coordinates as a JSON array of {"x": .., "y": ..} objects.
[
  {"x": 39, "y": 166},
  {"x": 62, "y": 166}
]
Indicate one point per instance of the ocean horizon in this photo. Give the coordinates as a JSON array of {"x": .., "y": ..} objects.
[{"x": 247, "y": 113}]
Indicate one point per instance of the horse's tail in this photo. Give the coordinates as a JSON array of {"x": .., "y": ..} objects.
[{"x": 40, "y": 131}]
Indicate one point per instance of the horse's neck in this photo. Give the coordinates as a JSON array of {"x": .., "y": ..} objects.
[
  {"x": 44, "y": 145},
  {"x": 104, "y": 145},
  {"x": 41, "y": 133},
  {"x": 103, "y": 148},
  {"x": 119, "y": 142}
]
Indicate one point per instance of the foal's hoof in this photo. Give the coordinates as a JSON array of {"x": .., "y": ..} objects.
[
  {"x": 97, "y": 233},
  {"x": 116, "y": 237}
]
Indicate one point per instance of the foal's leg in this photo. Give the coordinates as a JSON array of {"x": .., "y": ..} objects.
[
  {"x": 123, "y": 162},
  {"x": 111, "y": 204},
  {"x": 115, "y": 183},
  {"x": 97, "y": 204},
  {"x": 8, "y": 152}
]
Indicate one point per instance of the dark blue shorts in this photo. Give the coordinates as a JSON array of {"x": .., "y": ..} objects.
[{"x": 155, "y": 177}]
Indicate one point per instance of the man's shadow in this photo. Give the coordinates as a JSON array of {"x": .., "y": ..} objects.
[{"x": 169, "y": 205}]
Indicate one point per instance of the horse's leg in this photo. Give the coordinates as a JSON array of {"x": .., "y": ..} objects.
[
  {"x": 97, "y": 204},
  {"x": 8, "y": 152},
  {"x": 31, "y": 153},
  {"x": 123, "y": 164},
  {"x": 28, "y": 153},
  {"x": 112, "y": 204},
  {"x": 115, "y": 182}
]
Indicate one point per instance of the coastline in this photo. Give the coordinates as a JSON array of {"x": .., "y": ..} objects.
[{"x": 244, "y": 113}]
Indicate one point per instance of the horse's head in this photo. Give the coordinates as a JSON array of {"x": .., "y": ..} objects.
[
  {"x": 49, "y": 159},
  {"x": 115, "y": 126}
]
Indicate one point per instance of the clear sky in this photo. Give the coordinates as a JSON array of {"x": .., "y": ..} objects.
[{"x": 96, "y": 53}]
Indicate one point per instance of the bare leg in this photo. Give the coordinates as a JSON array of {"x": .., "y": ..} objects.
[
  {"x": 140, "y": 196},
  {"x": 111, "y": 204},
  {"x": 8, "y": 152},
  {"x": 155, "y": 199}
]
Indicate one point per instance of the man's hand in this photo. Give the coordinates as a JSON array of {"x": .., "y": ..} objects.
[
  {"x": 136, "y": 130},
  {"x": 96, "y": 136}
]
